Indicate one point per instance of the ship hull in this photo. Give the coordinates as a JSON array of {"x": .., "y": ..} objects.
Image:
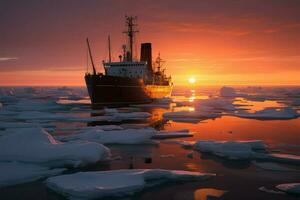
[{"x": 111, "y": 90}]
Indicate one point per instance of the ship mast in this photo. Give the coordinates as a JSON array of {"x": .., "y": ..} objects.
[
  {"x": 130, "y": 33},
  {"x": 91, "y": 57},
  {"x": 109, "y": 49}
]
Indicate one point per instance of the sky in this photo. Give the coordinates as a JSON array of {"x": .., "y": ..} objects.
[{"x": 218, "y": 42}]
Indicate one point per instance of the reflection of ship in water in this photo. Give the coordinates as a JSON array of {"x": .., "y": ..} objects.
[{"x": 128, "y": 80}]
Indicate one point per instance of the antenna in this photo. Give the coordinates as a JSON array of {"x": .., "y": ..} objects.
[
  {"x": 91, "y": 57},
  {"x": 109, "y": 49},
  {"x": 130, "y": 33}
]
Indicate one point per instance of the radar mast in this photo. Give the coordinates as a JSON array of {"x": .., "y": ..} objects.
[{"x": 130, "y": 32}]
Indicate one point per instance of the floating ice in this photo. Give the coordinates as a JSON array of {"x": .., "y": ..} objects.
[
  {"x": 94, "y": 185},
  {"x": 271, "y": 113},
  {"x": 30, "y": 105},
  {"x": 227, "y": 92},
  {"x": 13, "y": 173},
  {"x": 172, "y": 134},
  {"x": 292, "y": 188},
  {"x": 229, "y": 149},
  {"x": 37, "y": 115},
  {"x": 6, "y": 125},
  {"x": 35, "y": 145},
  {"x": 204, "y": 109},
  {"x": 286, "y": 158},
  {"x": 264, "y": 189},
  {"x": 126, "y": 136}
]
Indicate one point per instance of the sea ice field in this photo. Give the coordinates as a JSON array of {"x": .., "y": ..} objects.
[{"x": 203, "y": 143}]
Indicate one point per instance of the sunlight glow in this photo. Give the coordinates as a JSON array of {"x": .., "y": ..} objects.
[{"x": 192, "y": 80}]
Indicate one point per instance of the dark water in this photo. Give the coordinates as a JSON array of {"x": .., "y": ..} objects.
[{"x": 234, "y": 180}]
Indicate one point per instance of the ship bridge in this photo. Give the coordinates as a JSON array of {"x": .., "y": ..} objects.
[{"x": 135, "y": 69}]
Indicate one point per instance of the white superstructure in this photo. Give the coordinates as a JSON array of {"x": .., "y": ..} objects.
[{"x": 137, "y": 69}]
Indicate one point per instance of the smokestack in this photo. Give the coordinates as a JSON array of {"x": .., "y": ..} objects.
[{"x": 146, "y": 54}]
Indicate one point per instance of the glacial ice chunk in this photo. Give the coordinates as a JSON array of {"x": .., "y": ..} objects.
[
  {"x": 271, "y": 113},
  {"x": 36, "y": 146},
  {"x": 227, "y": 92},
  {"x": 116, "y": 183},
  {"x": 292, "y": 188},
  {"x": 229, "y": 149},
  {"x": 13, "y": 173},
  {"x": 126, "y": 136}
]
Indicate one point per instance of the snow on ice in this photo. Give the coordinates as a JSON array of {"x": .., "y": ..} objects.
[
  {"x": 270, "y": 113},
  {"x": 126, "y": 136},
  {"x": 92, "y": 185},
  {"x": 36, "y": 146},
  {"x": 13, "y": 173},
  {"x": 291, "y": 188}
]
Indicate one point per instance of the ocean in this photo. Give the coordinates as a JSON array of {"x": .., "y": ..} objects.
[{"x": 223, "y": 118}]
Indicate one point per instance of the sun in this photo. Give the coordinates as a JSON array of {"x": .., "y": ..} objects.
[{"x": 192, "y": 80}]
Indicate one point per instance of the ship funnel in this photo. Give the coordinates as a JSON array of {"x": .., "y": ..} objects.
[{"x": 146, "y": 54}]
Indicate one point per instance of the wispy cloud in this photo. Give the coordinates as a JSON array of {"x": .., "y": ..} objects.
[{"x": 8, "y": 58}]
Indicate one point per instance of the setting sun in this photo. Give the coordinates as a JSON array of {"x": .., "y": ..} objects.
[{"x": 192, "y": 80}]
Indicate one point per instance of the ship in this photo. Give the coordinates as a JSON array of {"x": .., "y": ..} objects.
[{"x": 128, "y": 80}]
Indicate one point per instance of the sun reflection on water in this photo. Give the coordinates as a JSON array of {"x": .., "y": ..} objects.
[{"x": 207, "y": 193}]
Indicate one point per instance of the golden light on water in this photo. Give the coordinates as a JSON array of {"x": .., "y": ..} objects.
[{"x": 192, "y": 80}]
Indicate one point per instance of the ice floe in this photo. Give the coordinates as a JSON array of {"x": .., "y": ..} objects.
[
  {"x": 270, "y": 113},
  {"x": 35, "y": 145},
  {"x": 116, "y": 183},
  {"x": 227, "y": 92},
  {"x": 264, "y": 189},
  {"x": 126, "y": 136},
  {"x": 291, "y": 188},
  {"x": 229, "y": 149},
  {"x": 34, "y": 105},
  {"x": 6, "y": 125},
  {"x": 281, "y": 157},
  {"x": 13, "y": 173}
]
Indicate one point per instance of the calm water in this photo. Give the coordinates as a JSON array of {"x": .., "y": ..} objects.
[{"x": 234, "y": 180}]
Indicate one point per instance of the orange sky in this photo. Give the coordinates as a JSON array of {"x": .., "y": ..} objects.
[{"x": 247, "y": 42}]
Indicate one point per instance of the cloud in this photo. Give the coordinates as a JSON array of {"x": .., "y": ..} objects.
[{"x": 8, "y": 58}]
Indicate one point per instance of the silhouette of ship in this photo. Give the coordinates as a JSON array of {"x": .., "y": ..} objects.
[{"x": 129, "y": 80}]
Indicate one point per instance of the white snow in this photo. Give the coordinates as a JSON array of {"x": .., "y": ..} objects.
[
  {"x": 227, "y": 92},
  {"x": 35, "y": 145},
  {"x": 37, "y": 115},
  {"x": 126, "y": 136},
  {"x": 287, "y": 158},
  {"x": 13, "y": 173},
  {"x": 92, "y": 185},
  {"x": 31, "y": 105},
  {"x": 6, "y": 125},
  {"x": 271, "y": 113},
  {"x": 292, "y": 188},
  {"x": 264, "y": 189},
  {"x": 229, "y": 149}
]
